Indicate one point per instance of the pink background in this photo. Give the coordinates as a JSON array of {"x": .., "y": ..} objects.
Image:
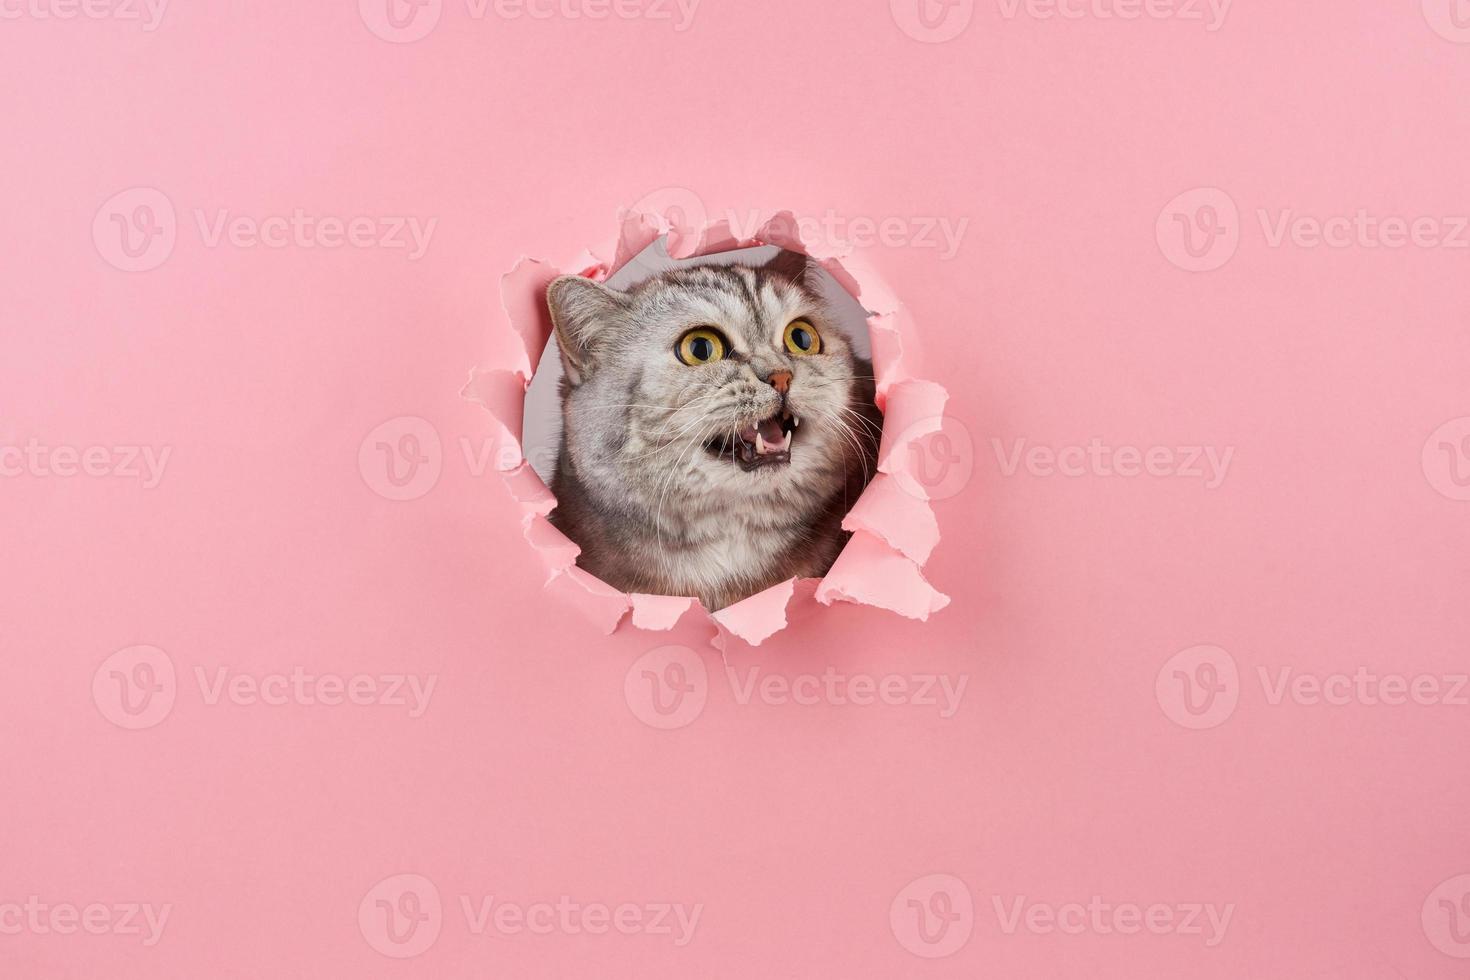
[{"x": 1334, "y": 832}]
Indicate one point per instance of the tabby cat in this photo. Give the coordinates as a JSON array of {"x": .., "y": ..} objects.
[{"x": 716, "y": 427}]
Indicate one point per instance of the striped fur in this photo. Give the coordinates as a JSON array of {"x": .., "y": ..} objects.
[{"x": 652, "y": 508}]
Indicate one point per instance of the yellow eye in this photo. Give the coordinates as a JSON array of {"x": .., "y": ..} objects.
[
  {"x": 802, "y": 338},
  {"x": 701, "y": 346}
]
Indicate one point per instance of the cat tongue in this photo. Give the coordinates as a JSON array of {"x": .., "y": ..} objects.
[{"x": 773, "y": 439}]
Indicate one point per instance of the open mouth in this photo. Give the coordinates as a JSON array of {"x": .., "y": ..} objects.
[{"x": 763, "y": 443}]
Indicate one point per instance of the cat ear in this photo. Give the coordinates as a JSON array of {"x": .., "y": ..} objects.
[
  {"x": 792, "y": 265},
  {"x": 580, "y": 310}
]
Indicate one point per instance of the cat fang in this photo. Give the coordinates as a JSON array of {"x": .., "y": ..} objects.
[{"x": 759, "y": 444}]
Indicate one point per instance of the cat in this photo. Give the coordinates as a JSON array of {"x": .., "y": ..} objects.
[{"x": 716, "y": 427}]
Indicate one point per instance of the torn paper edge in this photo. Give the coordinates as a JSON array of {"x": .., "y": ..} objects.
[{"x": 894, "y": 526}]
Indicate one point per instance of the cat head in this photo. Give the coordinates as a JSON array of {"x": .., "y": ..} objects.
[{"x": 728, "y": 380}]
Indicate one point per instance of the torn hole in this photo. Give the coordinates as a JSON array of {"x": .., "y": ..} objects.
[{"x": 892, "y": 531}]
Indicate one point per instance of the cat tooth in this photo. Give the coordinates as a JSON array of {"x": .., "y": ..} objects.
[
  {"x": 788, "y": 442},
  {"x": 795, "y": 420},
  {"x": 760, "y": 445}
]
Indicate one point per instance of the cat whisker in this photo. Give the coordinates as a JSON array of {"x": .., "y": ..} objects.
[
  {"x": 674, "y": 440},
  {"x": 853, "y": 438},
  {"x": 667, "y": 484},
  {"x": 870, "y": 427}
]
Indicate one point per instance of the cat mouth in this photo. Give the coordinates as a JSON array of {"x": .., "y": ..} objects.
[{"x": 758, "y": 444}]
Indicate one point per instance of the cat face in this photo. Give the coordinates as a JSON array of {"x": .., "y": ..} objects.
[{"x": 708, "y": 385}]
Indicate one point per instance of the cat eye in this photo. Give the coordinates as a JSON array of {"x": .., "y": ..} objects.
[
  {"x": 701, "y": 346},
  {"x": 802, "y": 338}
]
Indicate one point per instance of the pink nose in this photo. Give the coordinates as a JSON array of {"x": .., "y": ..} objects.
[{"x": 780, "y": 380}]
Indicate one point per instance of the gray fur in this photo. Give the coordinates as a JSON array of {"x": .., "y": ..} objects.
[{"x": 652, "y": 509}]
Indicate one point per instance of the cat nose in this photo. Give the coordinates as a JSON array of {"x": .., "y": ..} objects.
[{"x": 780, "y": 380}]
